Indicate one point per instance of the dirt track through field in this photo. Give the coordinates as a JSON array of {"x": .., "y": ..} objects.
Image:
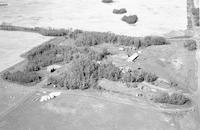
[{"x": 17, "y": 104}]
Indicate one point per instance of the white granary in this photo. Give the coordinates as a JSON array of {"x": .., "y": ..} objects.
[
  {"x": 133, "y": 57},
  {"x": 54, "y": 94},
  {"x": 121, "y": 49},
  {"x": 50, "y": 96},
  {"x": 44, "y": 98}
]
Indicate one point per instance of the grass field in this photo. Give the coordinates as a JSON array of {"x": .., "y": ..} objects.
[{"x": 81, "y": 110}]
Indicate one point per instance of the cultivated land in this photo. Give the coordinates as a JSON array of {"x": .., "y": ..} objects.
[
  {"x": 155, "y": 17},
  {"x": 116, "y": 104},
  {"x": 13, "y": 44}
]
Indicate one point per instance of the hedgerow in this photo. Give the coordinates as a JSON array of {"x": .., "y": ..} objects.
[
  {"x": 174, "y": 99},
  {"x": 42, "y": 31},
  {"x": 107, "y": 1},
  {"x": 22, "y": 77}
]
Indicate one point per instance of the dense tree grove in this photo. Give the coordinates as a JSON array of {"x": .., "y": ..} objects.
[
  {"x": 85, "y": 73},
  {"x": 119, "y": 11},
  {"x": 49, "y": 54},
  {"x": 22, "y": 77},
  {"x": 190, "y": 45}
]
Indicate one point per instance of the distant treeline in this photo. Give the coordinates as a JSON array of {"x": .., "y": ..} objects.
[
  {"x": 42, "y": 31},
  {"x": 22, "y": 77},
  {"x": 96, "y": 38}
]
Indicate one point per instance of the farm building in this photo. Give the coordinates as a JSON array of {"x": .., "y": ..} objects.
[{"x": 133, "y": 57}]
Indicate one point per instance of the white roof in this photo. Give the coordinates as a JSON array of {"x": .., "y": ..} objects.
[{"x": 133, "y": 57}]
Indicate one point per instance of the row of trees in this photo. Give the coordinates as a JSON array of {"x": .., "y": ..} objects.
[
  {"x": 96, "y": 38},
  {"x": 84, "y": 38},
  {"x": 174, "y": 99},
  {"x": 22, "y": 77},
  {"x": 42, "y": 31}
]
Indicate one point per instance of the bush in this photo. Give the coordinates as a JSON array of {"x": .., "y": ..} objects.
[
  {"x": 22, "y": 77},
  {"x": 173, "y": 84},
  {"x": 191, "y": 45},
  {"x": 85, "y": 74},
  {"x": 174, "y": 99},
  {"x": 107, "y": 1},
  {"x": 178, "y": 99},
  {"x": 119, "y": 11},
  {"x": 149, "y": 77},
  {"x": 132, "y": 19}
]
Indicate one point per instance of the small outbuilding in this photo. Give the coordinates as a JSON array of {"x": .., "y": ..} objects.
[{"x": 133, "y": 57}]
